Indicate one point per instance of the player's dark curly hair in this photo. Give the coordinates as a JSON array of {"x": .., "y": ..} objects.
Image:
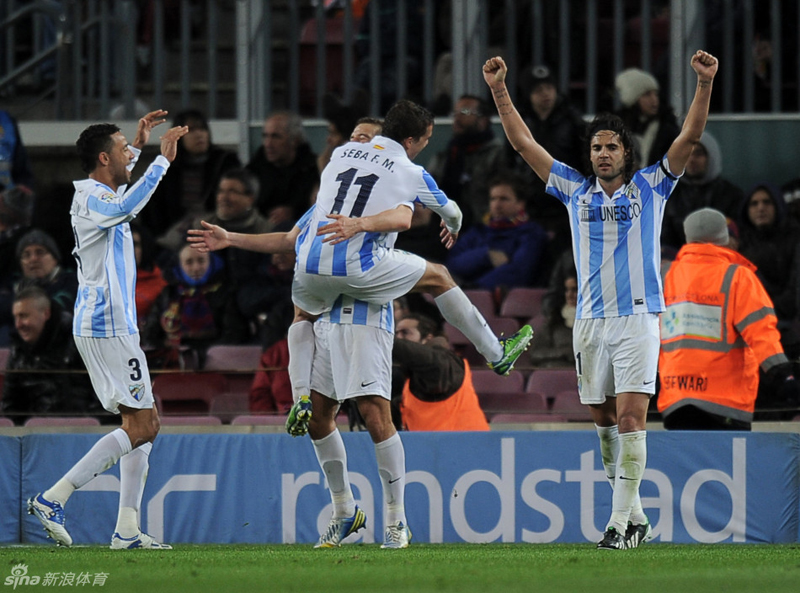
[
  {"x": 612, "y": 123},
  {"x": 406, "y": 119},
  {"x": 92, "y": 141}
]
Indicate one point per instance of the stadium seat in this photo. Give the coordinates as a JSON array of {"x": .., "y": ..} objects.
[
  {"x": 568, "y": 404},
  {"x": 261, "y": 420},
  {"x": 62, "y": 421},
  {"x": 226, "y": 406},
  {"x": 483, "y": 301},
  {"x": 493, "y": 404},
  {"x": 225, "y": 358},
  {"x": 522, "y": 303},
  {"x": 487, "y": 381},
  {"x": 549, "y": 382},
  {"x": 4, "y": 354},
  {"x": 6, "y": 422},
  {"x": 526, "y": 418},
  {"x": 190, "y": 421},
  {"x": 188, "y": 393}
]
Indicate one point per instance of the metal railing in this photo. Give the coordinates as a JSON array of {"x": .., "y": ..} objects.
[{"x": 240, "y": 59}]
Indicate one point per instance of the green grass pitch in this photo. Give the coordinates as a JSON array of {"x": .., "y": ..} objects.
[{"x": 460, "y": 568}]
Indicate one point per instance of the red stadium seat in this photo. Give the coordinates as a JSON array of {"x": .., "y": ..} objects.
[
  {"x": 190, "y": 421},
  {"x": 227, "y": 406},
  {"x": 522, "y": 303},
  {"x": 62, "y": 421},
  {"x": 188, "y": 393},
  {"x": 483, "y": 301},
  {"x": 225, "y": 358},
  {"x": 549, "y": 382},
  {"x": 262, "y": 420},
  {"x": 568, "y": 404},
  {"x": 6, "y": 422}
]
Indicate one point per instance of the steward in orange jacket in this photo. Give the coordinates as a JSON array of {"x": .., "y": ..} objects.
[
  {"x": 718, "y": 328},
  {"x": 437, "y": 392}
]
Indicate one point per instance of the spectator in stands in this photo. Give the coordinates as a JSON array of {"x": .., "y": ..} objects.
[
  {"x": 559, "y": 128},
  {"x": 247, "y": 272},
  {"x": 42, "y": 341},
  {"x": 195, "y": 310},
  {"x": 15, "y": 168},
  {"x": 437, "y": 391},
  {"x": 553, "y": 347},
  {"x": 701, "y": 186},
  {"x": 16, "y": 205},
  {"x": 40, "y": 262},
  {"x": 149, "y": 279},
  {"x": 506, "y": 249},
  {"x": 791, "y": 195},
  {"x": 268, "y": 296},
  {"x": 342, "y": 119},
  {"x": 652, "y": 123},
  {"x": 770, "y": 240},
  {"x": 187, "y": 189},
  {"x": 718, "y": 329},
  {"x": 271, "y": 391},
  {"x": 472, "y": 157},
  {"x": 286, "y": 169}
]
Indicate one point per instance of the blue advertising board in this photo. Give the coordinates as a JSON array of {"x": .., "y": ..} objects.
[{"x": 461, "y": 487}]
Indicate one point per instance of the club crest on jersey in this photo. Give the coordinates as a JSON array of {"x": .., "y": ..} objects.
[{"x": 137, "y": 391}]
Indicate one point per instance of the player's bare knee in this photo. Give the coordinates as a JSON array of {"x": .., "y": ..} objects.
[{"x": 436, "y": 280}]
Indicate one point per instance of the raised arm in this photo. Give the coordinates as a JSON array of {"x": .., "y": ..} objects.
[
  {"x": 705, "y": 65},
  {"x": 213, "y": 238},
  {"x": 494, "y": 73}
]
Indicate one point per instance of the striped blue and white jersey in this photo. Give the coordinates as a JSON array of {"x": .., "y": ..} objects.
[
  {"x": 106, "y": 303},
  {"x": 363, "y": 180},
  {"x": 349, "y": 311},
  {"x": 615, "y": 240}
]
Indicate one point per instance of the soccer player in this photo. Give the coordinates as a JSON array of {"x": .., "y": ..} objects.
[
  {"x": 615, "y": 218},
  {"x": 348, "y": 270},
  {"x": 105, "y": 328}
]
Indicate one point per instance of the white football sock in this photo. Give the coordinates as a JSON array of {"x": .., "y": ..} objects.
[
  {"x": 630, "y": 469},
  {"x": 301, "y": 353},
  {"x": 391, "y": 457},
  {"x": 609, "y": 449},
  {"x": 459, "y": 311},
  {"x": 98, "y": 459},
  {"x": 132, "y": 477},
  {"x": 332, "y": 458}
]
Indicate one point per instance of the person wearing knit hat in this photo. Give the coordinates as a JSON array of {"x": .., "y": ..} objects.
[
  {"x": 38, "y": 237},
  {"x": 633, "y": 83},
  {"x": 706, "y": 226},
  {"x": 654, "y": 125},
  {"x": 721, "y": 349},
  {"x": 39, "y": 259}
]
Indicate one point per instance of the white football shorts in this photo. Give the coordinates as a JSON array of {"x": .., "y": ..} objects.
[
  {"x": 391, "y": 277},
  {"x": 118, "y": 370},
  {"x": 616, "y": 355},
  {"x": 351, "y": 361}
]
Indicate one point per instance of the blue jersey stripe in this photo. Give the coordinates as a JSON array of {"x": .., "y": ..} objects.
[
  {"x": 98, "y": 315},
  {"x": 339, "y": 264},
  {"x": 366, "y": 251},
  {"x": 336, "y": 310},
  {"x": 314, "y": 253},
  {"x": 441, "y": 198},
  {"x": 360, "y": 310}
]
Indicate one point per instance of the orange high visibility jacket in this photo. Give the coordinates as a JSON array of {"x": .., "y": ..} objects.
[
  {"x": 719, "y": 326},
  {"x": 460, "y": 411}
]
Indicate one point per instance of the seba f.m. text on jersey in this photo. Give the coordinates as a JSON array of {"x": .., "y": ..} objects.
[
  {"x": 106, "y": 303},
  {"x": 364, "y": 180}
]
